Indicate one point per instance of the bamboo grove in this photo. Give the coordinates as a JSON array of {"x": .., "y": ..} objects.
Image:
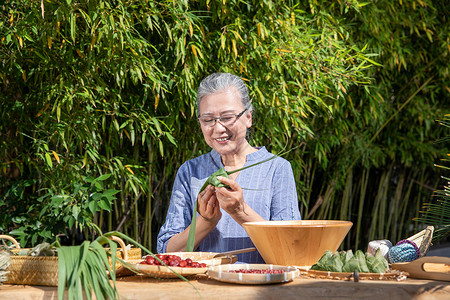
[{"x": 98, "y": 107}]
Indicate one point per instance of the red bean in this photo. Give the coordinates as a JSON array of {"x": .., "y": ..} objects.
[{"x": 257, "y": 271}]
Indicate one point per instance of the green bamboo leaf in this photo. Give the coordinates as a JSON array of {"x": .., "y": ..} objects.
[
  {"x": 73, "y": 26},
  {"x": 103, "y": 177},
  {"x": 191, "y": 237},
  {"x": 171, "y": 138},
  {"x": 62, "y": 272},
  {"x": 116, "y": 125},
  {"x": 48, "y": 160},
  {"x": 104, "y": 204},
  {"x": 161, "y": 148},
  {"x": 92, "y": 207},
  {"x": 143, "y": 137},
  {"x": 132, "y": 134},
  {"x": 110, "y": 192},
  {"x": 156, "y": 123},
  {"x": 75, "y": 211}
]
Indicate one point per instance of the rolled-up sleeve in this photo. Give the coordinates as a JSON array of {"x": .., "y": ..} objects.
[{"x": 178, "y": 216}]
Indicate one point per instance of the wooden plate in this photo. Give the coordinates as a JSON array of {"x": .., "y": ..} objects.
[
  {"x": 349, "y": 276},
  {"x": 428, "y": 267},
  {"x": 221, "y": 273},
  {"x": 168, "y": 272}
]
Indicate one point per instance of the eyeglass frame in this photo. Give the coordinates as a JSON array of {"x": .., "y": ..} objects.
[{"x": 217, "y": 119}]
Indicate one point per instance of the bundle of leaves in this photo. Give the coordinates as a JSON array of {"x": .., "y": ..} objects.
[
  {"x": 346, "y": 261},
  {"x": 86, "y": 272},
  {"x": 5, "y": 261}
]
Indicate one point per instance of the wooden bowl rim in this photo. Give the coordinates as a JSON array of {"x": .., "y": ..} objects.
[{"x": 299, "y": 223}]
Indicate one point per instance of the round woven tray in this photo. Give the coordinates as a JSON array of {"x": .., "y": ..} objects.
[
  {"x": 222, "y": 273},
  {"x": 43, "y": 270},
  {"x": 347, "y": 276},
  {"x": 170, "y": 272}
]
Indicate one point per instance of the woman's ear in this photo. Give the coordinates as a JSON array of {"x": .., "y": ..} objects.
[{"x": 249, "y": 119}]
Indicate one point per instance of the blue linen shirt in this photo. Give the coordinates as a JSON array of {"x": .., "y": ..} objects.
[{"x": 268, "y": 188}]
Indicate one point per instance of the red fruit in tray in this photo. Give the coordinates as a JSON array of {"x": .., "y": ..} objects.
[
  {"x": 171, "y": 260},
  {"x": 163, "y": 257},
  {"x": 174, "y": 263},
  {"x": 183, "y": 264}
]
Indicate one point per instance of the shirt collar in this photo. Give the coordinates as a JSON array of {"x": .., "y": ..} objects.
[{"x": 254, "y": 157}]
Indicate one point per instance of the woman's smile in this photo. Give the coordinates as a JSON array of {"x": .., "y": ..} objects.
[{"x": 223, "y": 140}]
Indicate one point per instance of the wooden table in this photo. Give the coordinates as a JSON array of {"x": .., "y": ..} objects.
[{"x": 140, "y": 287}]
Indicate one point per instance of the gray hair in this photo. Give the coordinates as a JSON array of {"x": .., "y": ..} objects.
[{"x": 217, "y": 82}]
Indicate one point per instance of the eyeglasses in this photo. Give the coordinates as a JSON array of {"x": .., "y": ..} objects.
[{"x": 225, "y": 120}]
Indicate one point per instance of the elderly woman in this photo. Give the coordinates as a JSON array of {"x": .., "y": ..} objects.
[{"x": 263, "y": 192}]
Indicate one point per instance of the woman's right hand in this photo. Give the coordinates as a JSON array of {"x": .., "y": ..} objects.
[{"x": 208, "y": 206}]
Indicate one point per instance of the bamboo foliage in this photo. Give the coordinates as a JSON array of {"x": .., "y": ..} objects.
[{"x": 110, "y": 88}]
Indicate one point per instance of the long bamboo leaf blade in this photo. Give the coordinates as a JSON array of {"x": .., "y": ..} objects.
[
  {"x": 191, "y": 236},
  {"x": 62, "y": 272}
]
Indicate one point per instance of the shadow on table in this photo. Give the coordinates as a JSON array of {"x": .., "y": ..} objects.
[
  {"x": 305, "y": 289},
  {"x": 327, "y": 289}
]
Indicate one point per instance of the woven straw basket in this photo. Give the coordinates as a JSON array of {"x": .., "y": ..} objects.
[{"x": 43, "y": 270}]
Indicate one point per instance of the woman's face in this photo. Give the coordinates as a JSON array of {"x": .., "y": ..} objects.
[{"x": 226, "y": 140}]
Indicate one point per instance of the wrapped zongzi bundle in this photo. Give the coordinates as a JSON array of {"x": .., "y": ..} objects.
[
  {"x": 377, "y": 263},
  {"x": 356, "y": 263},
  {"x": 346, "y": 255},
  {"x": 329, "y": 262},
  {"x": 346, "y": 261}
]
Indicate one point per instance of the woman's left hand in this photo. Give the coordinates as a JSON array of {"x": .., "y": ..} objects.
[{"x": 231, "y": 199}]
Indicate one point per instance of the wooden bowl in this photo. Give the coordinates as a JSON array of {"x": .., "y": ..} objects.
[{"x": 296, "y": 243}]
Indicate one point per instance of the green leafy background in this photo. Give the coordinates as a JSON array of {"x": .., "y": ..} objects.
[{"x": 90, "y": 88}]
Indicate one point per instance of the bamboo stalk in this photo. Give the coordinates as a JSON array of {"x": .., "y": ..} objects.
[
  {"x": 376, "y": 217},
  {"x": 311, "y": 171},
  {"x": 363, "y": 189},
  {"x": 404, "y": 209},
  {"x": 346, "y": 206},
  {"x": 327, "y": 198},
  {"x": 393, "y": 211},
  {"x": 383, "y": 202}
]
